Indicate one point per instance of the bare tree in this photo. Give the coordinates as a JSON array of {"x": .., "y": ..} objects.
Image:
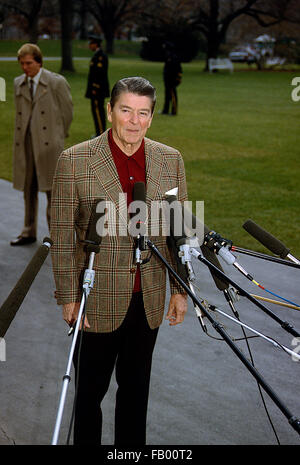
[
  {"x": 28, "y": 9},
  {"x": 172, "y": 24},
  {"x": 214, "y": 17},
  {"x": 114, "y": 14},
  {"x": 81, "y": 11},
  {"x": 66, "y": 16}
]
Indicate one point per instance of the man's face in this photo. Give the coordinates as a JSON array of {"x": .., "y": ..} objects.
[
  {"x": 29, "y": 65},
  {"x": 93, "y": 46},
  {"x": 130, "y": 117}
]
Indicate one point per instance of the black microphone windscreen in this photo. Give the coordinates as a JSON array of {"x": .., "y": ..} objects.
[
  {"x": 93, "y": 238},
  {"x": 177, "y": 228},
  {"x": 13, "y": 302},
  {"x": 201, "y": 228},
  {"x": 139, "y": 192},
  {"x": 196, "y": 225},
  {"x": 266, "y": 239}
]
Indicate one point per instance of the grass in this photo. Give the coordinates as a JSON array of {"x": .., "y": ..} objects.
[
  {"x": 52, "y": 48},
  {"x": 238, "y": 133}
]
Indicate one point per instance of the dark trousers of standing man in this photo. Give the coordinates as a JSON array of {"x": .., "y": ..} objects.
[
  {"x": 98, "y": 112},
  {"x": 31, "y": 193},
  {"x": 170, "y": 98},
  {"x": 129, "y": 349}
]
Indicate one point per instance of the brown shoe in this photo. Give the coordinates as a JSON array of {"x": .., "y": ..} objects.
[{"x": 21, "y": 240}]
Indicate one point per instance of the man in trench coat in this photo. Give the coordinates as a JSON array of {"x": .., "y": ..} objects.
[{"x": 44, "y": 112}]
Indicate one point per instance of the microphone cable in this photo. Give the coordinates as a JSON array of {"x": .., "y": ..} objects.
[{"x": 246, "y": 339}]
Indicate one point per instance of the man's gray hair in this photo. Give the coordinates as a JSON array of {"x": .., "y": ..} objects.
[{"x": 135, "y": 85}]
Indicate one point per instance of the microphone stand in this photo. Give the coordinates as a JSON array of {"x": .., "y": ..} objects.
[
  {"x": 293, "y": 421},
  {"x": 15, "y": 299},
  {"x": 294, "y": 354},
  {"x": 284, "y": 324},
  {"x": 186, "y": 260},
  {"x": 263, "y": 256},
  {"x": 88, "y": 282}
]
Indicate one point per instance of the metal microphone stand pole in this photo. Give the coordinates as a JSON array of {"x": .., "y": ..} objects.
[
  {"x": 243, "y": 325},
  {"x": 284, "y": 324},
  {"x": 264, "y": 256},
  {"x": 186, "y": 260},
  {"x": 294, "y": 422},
  {"x": 88, "y": 282},
  {"x": 185, "y": 256}
]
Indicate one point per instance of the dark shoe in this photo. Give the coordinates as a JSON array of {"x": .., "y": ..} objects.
[{"x": 21, "y": 240}]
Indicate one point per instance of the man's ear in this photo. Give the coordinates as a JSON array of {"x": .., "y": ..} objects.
[
  {"x": 150, "y": 121},
  {"x": 109, "y": 112}
]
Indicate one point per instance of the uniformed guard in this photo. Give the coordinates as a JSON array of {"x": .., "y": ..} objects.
[
  {"x": 98, "y": 85},
  {"x": 172, "y": 75}
]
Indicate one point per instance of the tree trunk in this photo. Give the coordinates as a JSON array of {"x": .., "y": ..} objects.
[
  {"x": 33, "y": 29},
  {"x": 66, "y": 15},
  {"x": 83, "y": 16},
  {"x": 213, "y": 38},
  {"x": 110, "y": 41}
]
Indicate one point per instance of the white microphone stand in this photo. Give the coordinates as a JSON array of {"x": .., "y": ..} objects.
[{"x": 88, "y": 282}]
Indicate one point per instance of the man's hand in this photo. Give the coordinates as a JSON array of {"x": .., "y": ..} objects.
[
  {"x": 177, "y": 309},
  {"x": 70, "y": 313}
]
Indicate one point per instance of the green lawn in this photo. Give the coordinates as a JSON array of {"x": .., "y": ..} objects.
[{"x": 238, "y": 133}]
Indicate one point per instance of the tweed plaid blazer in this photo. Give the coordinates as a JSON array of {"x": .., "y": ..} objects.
[{"x": 86, "y": 173}]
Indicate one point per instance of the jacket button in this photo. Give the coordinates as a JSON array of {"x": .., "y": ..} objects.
[
  {"x": 44, "y": 127},
  {"x": 132, "y": 270}
]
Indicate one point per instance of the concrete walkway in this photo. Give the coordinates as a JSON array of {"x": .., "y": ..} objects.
[{"x": 201, "y": 393}]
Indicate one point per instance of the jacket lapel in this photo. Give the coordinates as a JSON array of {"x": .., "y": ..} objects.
[
  {"x": 102, "y": 163},
  {"x": 42, "y": 87},
  {"x": 104, "y": 168},
  {"x": 154, "y": 167},
  {"x": 23, "y": 89}
]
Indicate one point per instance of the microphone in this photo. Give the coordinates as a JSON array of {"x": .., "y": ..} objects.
[
  {"x": 93, "y": 238},
  {"x": 269, "y": 241},
  {"x": 180, "y": 237},
  {"x": 139, "y": 226},
  {"x": 93, "y": 241},
  {"x": 211, "y": 257},
  {"x": 212, "y": 240},
  {"x": 13, "y": 302}
]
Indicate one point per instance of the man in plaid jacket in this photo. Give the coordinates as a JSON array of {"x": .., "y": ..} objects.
[{"x": 126, "y": 305}]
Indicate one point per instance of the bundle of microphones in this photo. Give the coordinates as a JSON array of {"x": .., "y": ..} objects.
[{"x": 211, "y": 244}]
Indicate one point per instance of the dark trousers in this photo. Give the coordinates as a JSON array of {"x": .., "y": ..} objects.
[
  {"x": 170, "y": 100},
  {"x": 129, "y": 349},
  {"x": 31, "y": 193},
  {"x": 98, "y": 112}
]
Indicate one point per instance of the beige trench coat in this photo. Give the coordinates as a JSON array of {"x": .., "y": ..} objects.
[{"x": 52, "y": 114}]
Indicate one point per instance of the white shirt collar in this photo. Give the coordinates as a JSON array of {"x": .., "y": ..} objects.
[{"x": 36, "y": 78}]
